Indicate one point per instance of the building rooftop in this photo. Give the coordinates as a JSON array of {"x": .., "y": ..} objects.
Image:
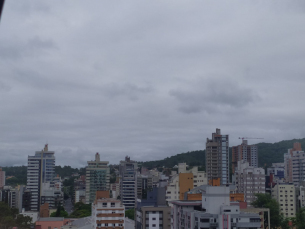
[
  {"x": 82, "y": 222},
  {"x": 51, "y": 219},
  {"x": 187, "y": 202},
  {"x": 129, "y": 223}
]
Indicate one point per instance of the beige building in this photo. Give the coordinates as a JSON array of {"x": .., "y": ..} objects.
[
  {"x": 285, "y": 196},
  {"x": 181, "y": 182},
  {"x": 108, "y": 213}
]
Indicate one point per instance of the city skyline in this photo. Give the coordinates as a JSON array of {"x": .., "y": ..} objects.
[{"x": 147, "y": 79}]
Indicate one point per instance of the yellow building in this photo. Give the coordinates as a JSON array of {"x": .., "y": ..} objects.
[{"x": 186, "y": 183}]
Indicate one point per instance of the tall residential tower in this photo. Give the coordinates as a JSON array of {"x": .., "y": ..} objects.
[
  {"x": 128, "y": 182},
  {"x": 97, "y": 178},
  {"x": 245, "y": 152},
  {"x": 217, "y": 157},
  {"x": 40, "y": 171}
]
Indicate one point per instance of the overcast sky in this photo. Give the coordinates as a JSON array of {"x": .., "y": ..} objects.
[{"x": 148, "y": 79}]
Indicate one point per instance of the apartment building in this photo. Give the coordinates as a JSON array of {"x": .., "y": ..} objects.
[
  {"x": 115, "y": 188},
  {"x": 97, "y": 177},
  {"x": 108, "y": 213},
  {"x": 278, "y": 171},
  {"x": 152, "y": 212},
  {"x": 128, "y": 182},
  {"x": 40, "y": 170},
  {"x": 199, "y": 177},
  {"x": 217, "y": 157},
  {"x": 249, "y": 180},
  {"x": 285, "y": 196},
  {"x": 184, "y": 181},
  {"x": 144, "y": 184},
  {"x": 213, "y": 211},
  {"x": 245, "y": 152},
  {"x": 2, "y": 178},
  {"x": 294, "y": 162}
]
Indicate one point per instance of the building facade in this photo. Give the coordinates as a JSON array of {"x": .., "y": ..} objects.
[
  {"x": 108, "y": 213},
  {"x": 217, "y": 157},
  {"x": 245, "y": 152},
  {"x": 213, "y": 211},
  {"x": 97, "y": 178},
  {"x": 144, "y": 184},
  {"x": 128, "y": 182},
  {"x": 152, "y": 212},
  {"x": 2, "y": 178},
  {"x": 285, "y": 196},
  {"x": 40, "y": 170},
  {"x": 249, "y": 180},
  {"x": 294, "y": 162},
  {"x": 184, "y": 181}
]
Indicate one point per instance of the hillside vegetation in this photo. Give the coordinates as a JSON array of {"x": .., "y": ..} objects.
[{"x": 268, "y": 153}]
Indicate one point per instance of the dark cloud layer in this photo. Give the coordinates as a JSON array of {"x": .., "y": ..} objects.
[{"x": 147, "y": 79}]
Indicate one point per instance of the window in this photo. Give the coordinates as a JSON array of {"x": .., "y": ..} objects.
[
  {"x": 153, "y": 218},
  {"x": 154, "y": 225},
  {"x": 112, "y": 204},
  {"x": 104, "y": 204},
  {"x": 106, "y": 224}
]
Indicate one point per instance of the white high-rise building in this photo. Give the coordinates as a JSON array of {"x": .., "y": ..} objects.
[
  {"x": 128, "y": 182},
  {"x": 249, "y": 180},
  {"x": 40, "y": 170}
]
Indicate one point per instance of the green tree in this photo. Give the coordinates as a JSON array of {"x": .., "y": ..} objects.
[
  {"x": 299, "y": 220},
  {"x": 60, "y": 212},
  {"x": 23, "y": 222},
  {"x": 9, "y": 218},
  {"x": 266, "y": 201},
  {"x": 130, "y": 213},
  {"x": 81, "y": 210},
  {"x": 285, "y": 224}
]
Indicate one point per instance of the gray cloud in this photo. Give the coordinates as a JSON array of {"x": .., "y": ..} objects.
[
  {"x": 213, "y": 96},
  {"x": 147, "y": 79}
]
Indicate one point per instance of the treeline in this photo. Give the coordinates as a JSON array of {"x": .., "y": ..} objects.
[{"x": 268, "y": 153}]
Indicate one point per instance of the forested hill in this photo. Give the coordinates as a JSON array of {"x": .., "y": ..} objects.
[{"x": 268, "y": 153}]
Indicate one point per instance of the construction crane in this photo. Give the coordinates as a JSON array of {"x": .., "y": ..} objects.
[{"x": 242, "y": 138}]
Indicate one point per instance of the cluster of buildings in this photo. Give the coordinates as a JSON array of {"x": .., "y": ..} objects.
[{"x": 182, "y": 197}]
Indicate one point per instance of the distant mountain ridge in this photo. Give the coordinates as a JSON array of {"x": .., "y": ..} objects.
[{"x": 268, "y": 153}]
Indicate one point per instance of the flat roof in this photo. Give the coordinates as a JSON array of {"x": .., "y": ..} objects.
[{"x": 187, "y": 202}]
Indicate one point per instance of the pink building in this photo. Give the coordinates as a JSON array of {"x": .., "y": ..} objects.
[
  {"x": 2, "y": 178},
  {"x": 51, "y": 223}
]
